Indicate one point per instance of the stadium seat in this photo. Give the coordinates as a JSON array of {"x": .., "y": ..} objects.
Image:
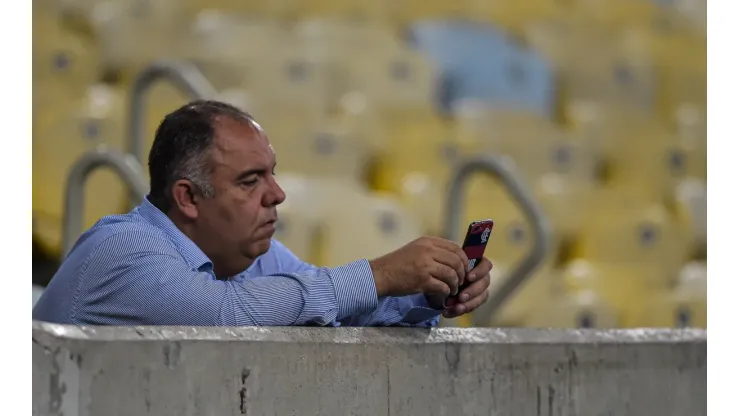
[
  {"x": 685, "y": 305},
  {"x": 64, "y": 63},
  {"x": 358, "y": 11},
  {"x": 294, "y": 80},
  {"x": 416, "y": 143},
  {"x": 321, "y": 149},
  {"x": 406, "y": 11},
  {"x": 514, "y": 16},
  {"x": 490, "y": 67},
  {"x": 370, "y": 226},
  {"x": 537, "y": 290},
  {"x": 617, "y": 230},
  {"x": 297, "y": 225},
  {"x": 653, "y": 159},
  {"x": 626, "y": 287},
  {"x": 537, "y": 146},
  {"x": 228, "y": 48},
  {"x": 680, "y": 60},
  {"x": 626, "y": 12},
  {"x": 339, "y": 37},
  {"x": 584, "y": 309},
  {"x": 691, "y": 208},
  {"x": 612, "y": 74},
  {"x": 59, "y": 139},
  {"x": 134, "y": 33},
  {"x": 396, "y": 80}
]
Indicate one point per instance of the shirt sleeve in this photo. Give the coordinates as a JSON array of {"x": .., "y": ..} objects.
[
  {"x": 153, "y": 285},
  {"x": 413, "y": 310}
]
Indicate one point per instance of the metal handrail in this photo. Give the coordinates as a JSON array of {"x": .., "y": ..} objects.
[
  {"x": 183, "y": 75},
  {"x": 125, "y": 165},
  {"x": 542, "y": 232}
]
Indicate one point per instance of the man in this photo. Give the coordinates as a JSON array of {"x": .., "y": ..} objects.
[{"x": 198, "y": 250}]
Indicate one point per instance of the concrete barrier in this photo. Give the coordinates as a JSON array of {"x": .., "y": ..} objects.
[{"x": 367, "y": 371}]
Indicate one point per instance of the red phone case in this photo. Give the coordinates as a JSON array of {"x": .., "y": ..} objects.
[{"x": 474, "y": 245}]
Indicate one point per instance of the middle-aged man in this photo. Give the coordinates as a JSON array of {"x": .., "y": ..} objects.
[{"x": 199, "y": 249}]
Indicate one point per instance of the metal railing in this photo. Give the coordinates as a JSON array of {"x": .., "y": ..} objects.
[
  {"x": 183, "y": 75},
  {"x": 495, "y": 166},
  {"x": 124, "y": 165}
]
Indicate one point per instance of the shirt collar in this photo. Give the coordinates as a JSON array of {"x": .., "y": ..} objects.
[{"x": 194, "y": 256}]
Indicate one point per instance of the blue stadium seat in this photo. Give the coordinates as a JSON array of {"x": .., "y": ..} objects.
[{"x": 480, "y": 62}]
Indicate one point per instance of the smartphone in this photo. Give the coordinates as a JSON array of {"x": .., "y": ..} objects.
[{"x": 474, "y": 245}]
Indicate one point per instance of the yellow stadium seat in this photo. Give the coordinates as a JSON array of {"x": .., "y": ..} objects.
[
  {"x": 342, "y": 36},
  {"x": 537, "y": 290},
  {"x": 397, "y": 80},
  {"x": 410, "y": 10},
  {"x": 423, "y": 196},
  {"x": 215, "y": 41},
  {"x": 294, "y": 80},
  {"x": 64, "y": 63},
  {"x": 690, "y": 121},
  {"x": 653, "y": 159},
  {"x": 134, "y": 33},
  {"x": 685, "y": 305},
  {"x": 514, "y": 16},
  {"x": 372, "y": 225},
  {"x": 584, "y": 309},
  {"x": 627, "y": 12},
  {"x": 626, "y": 288},
  {"x": 297, "y": 225},
  {"x": 351, "y": 10},
  {"x": 59, "y": 139},
  {"x": 612, "y": 73},
  {"x": 691, "y": 206},
  {"x": 261, "y": 8},
  {"x": 618, "y": 230},
  {"x": 323, "y": 149},
  {"x": 537, "y": 146},
  {"x": 680, "y": 58},
  {"x": 416, "y": 143},
  {"x": 564, "y": 201}
]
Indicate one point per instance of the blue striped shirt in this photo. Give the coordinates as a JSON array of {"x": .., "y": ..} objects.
[{"x": 140, "y": 269}]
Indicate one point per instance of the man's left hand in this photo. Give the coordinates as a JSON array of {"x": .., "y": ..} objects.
[{"x": 474, "y": 295}]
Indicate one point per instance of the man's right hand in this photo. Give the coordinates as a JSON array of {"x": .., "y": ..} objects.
[{"x": 428, "y": 265}]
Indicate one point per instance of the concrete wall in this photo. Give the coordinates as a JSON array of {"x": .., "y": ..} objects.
[{"x": 348, "y": 371}]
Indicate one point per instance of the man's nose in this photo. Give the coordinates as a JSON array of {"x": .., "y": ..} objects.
[{"x": 276, "y": 195}]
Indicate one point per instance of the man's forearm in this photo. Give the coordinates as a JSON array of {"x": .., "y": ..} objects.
[{"x": 313, "y": 296}]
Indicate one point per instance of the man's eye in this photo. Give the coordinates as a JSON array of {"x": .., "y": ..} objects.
[{"x": 249, "y": 182}]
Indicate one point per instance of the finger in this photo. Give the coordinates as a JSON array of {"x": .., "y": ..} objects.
[
  {"x": 447, "y": 275},
  {"x": 473, "y": 303},
  {"x": 474, "y": 289},
  {"x": 453, "y": 248},
  {"x": 481, "y": 269},
  {"x": 451, "y": 260},
  {"x": 436, "y": 287}
]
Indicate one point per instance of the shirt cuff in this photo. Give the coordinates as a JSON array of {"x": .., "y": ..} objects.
[
  {"x": 415, "y": 309},
  {"x": 354, "y": 286}
]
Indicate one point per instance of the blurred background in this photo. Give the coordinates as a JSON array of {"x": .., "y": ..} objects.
[{"x": 597, "y": 109}]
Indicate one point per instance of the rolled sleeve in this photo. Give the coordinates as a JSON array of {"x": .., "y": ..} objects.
[{"x": 355, "y": 289}]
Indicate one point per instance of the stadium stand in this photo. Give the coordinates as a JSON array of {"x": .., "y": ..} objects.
[{"x": 599, "y": 105}]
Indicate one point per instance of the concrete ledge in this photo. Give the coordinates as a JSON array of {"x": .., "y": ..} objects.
[{"x": 366, "y": 371}]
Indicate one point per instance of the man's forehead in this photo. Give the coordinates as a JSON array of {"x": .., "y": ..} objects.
[{"x": 236, "y": 138}]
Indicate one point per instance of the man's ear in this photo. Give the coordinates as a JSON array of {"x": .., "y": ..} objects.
[{"x": 183, "y": 195}]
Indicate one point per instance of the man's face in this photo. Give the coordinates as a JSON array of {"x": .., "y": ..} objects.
[{"x": 238, "y": 223}]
